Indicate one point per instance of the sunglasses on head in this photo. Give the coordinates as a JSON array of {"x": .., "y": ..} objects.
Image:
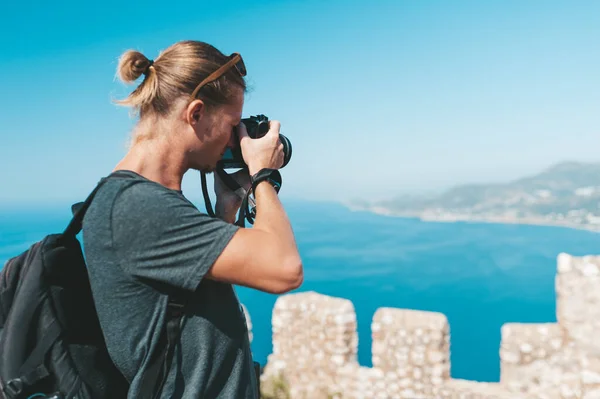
[{"x": 235, "y": 60}]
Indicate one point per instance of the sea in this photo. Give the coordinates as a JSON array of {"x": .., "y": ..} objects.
[{"x": 479, "y": 275}]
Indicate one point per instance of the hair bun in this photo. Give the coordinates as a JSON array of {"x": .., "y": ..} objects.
[
  {"x": 182, "y": 66},
  {"x": 132, "y": 65}
]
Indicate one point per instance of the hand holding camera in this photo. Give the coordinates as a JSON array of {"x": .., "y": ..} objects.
[
  {"x": 256, "y": 128},
  {"x": 263, "y": 152}
]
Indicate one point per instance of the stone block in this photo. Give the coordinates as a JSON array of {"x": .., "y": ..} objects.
[
  {"x": 314, "y": 336},
  {"x": 412, "y": 350},
  {"x": 537, "y": 360},
  {"x": 578, "y": 300}
]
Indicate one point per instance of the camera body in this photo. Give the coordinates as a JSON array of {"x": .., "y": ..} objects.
[{"x": 257, "y": 126}]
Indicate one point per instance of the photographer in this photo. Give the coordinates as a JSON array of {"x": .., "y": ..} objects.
[{"x": 146, "y": 244}]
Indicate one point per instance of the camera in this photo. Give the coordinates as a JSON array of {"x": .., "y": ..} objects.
[{"x": 257, "y": 126}]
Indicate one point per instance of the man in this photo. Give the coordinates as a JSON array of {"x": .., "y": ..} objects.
[{"x": 145, "y": 242}]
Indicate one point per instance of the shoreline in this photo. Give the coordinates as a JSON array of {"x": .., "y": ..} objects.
[{"x": 454, "y": 218}]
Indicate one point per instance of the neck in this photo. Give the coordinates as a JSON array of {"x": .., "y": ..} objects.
[{"x": 157, "y": 159}]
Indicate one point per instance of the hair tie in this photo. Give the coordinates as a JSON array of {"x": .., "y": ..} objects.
[{"x": 150, "y": 63}]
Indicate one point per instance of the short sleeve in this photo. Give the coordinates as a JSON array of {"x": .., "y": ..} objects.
[{"x": 159, "y": 236}]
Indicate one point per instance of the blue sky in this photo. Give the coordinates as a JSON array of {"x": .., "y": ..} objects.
[{"x": 379, "y": 98}]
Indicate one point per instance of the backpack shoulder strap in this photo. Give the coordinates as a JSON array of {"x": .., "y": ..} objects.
[{"x": 79, "y": 209}]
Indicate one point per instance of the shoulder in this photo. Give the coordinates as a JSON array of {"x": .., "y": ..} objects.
[
  {"x": 139, "y": 193},
  {"x": 135, "y": 199},
  {"x": 144, "y": 199}
]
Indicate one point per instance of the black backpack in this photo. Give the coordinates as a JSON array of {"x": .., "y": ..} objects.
[{"x": 51, "y": 343}]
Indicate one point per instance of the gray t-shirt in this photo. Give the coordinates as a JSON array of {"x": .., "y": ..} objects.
[{"x": 143, "y": 241}]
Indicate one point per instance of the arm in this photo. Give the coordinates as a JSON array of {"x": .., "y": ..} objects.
[
  {"x": 169, "y": 242},
  {"x": 264, "y": 257}
]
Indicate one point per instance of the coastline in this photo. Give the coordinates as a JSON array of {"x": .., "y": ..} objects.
[{"x": 448, "y": 217}]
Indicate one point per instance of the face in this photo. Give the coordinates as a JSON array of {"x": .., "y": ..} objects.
[{"x": 216, "y": 133}]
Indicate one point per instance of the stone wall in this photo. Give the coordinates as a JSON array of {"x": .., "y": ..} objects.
[
  {"x": 315, "y": 346},
  {"x": 314, "y": 336},
  {"x": 315, "y": 354},
  {"x": 559, "y": 360}
]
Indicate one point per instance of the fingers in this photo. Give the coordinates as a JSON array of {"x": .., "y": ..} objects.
[
  {"x": 281, "y": 154},
  {"x": 274, "y": 127},
  {"x": 264, "y": 152}
]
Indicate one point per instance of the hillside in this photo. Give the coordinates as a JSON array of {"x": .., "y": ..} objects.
[{"x": 565, "y": 194}]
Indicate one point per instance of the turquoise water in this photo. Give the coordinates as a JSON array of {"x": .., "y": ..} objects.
[{"x": 479, "y": 275}]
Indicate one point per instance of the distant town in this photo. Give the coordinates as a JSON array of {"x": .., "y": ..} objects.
[{"x": 567, "y": 194}]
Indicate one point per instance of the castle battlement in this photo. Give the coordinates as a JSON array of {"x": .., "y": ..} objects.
[{"x": 315, "y": 344}]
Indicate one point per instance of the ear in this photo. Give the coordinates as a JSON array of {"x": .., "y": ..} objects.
[{"x": 194, "y": 112}]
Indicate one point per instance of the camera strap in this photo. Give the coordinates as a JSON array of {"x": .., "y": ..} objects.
[
  {"x": 247, "y": 210},
  {"x": 231, "y": 183}
]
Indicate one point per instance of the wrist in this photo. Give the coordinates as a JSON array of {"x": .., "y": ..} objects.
[
  {"x": 270, "y": 176},
  {"x": 253, "y": 170}
]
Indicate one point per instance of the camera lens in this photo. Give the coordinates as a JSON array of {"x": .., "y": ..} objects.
[{"x": 287, "y": 149}]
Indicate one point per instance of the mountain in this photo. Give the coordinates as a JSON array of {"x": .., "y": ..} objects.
[{"x": 566, "y": 194}]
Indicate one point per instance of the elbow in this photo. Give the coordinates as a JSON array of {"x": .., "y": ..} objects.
[
  {"x": 292, "y": 277},
  {"x": 296, "y": 275}
]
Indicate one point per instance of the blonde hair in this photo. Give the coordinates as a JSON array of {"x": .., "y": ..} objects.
[{"x": 174, "y": 74}]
